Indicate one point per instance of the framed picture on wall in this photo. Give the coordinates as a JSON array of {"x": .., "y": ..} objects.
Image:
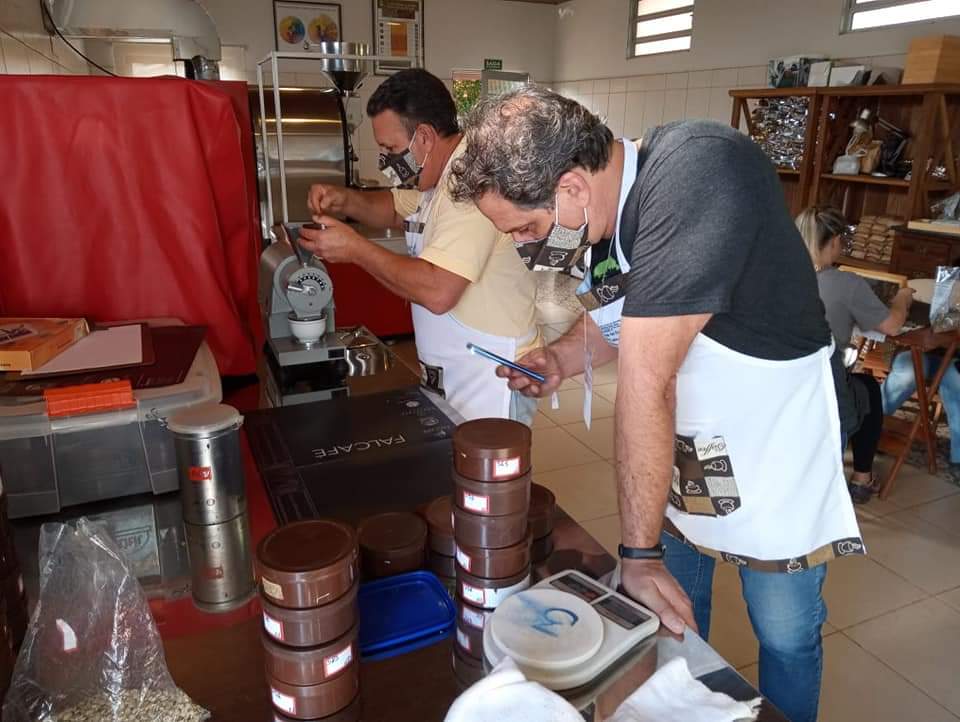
[
  {"x": 296, "y": 22},
  {"x": 397, "y": 32}
]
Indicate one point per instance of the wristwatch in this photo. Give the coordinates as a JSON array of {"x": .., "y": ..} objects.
[{"x": 655, "y": 552}]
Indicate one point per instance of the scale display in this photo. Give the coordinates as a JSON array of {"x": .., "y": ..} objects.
[{"x": 567, "y": 630}]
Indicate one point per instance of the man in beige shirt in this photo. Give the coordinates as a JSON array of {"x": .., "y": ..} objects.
[{"x": 465, "y": 281}]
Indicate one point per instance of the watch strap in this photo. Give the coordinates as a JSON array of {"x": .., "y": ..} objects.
[{"x": 655, "y": 552}]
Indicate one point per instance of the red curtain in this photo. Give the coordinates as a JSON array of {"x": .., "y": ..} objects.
[{"x": 131, "y": 198}]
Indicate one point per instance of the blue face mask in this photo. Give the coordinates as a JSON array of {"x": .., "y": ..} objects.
[{"x": 560, "y": 250}]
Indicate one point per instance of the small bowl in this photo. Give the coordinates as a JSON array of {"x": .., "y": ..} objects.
[{"x": 308, "y": 331}]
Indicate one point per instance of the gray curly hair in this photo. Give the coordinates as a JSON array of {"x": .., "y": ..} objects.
[{"x": 521, "y": 143}]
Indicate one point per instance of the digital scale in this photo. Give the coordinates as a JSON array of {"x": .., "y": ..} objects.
[{"x": 566, "y": 631}]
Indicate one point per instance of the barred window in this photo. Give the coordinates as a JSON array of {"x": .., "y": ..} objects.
[
  {"x": 869, "y": 14},
  {"x": 659, "y": 26}
]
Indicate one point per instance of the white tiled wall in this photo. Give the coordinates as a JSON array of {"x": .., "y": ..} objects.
[
  {"x": 632, "y": 105},
  {"x": 37, "y": 54}
]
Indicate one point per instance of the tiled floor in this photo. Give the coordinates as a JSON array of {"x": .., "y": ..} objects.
[{"x": 892, "y": 642}]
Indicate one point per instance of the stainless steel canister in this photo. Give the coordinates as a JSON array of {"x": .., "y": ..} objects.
[
  {"x": 207, "y": 442},
  {"x": 221, "y": 564}
]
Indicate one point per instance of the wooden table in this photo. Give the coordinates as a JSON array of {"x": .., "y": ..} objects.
[
  {"x": 217, "y": 659},
  {"x": 899, "y": 434}
]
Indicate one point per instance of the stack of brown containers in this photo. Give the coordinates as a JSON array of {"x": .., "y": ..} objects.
[
  {"x": 392, "y": 543},
  {"x": 491, "y": 503},
  {"x": 308, "y": 585},
  {"x": 442, "y": 548},
  {"x": 543, "y": 505}
]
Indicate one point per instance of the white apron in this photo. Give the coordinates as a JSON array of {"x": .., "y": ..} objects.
[
  {"x": 758, "y": 476},
  {"x": 466, "y": 381}
]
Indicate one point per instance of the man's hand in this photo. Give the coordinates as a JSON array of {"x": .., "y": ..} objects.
[
  {"x": 325, "y": 200},
  {"x": 649, "y": 582},
  {"x": 542, "y": 360},
  {"x": 337, "y": 242}
]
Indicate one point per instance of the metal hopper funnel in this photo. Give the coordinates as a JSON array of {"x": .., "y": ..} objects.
[{"x": 348, "y": 73}]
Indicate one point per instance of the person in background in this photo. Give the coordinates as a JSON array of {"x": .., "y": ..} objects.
[
  {"x": 727, "y": 428},
  {"x": 462, "y": 277},
  {"x": 849, "y": 301},
  {"x": 901, "y": 384}
]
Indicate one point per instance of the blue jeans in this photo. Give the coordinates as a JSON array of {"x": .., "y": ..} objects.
[
  {"x": 786, "y": 611},
  {"x": 901, "y": 384}
]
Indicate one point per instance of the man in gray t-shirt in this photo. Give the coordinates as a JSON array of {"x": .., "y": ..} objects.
[{"x": 727, "y": 435}]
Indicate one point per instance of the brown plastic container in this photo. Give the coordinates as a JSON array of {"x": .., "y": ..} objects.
[
  {"x": 437, "y": 515},
  {"x": 469, "y": 640},
  {"x": 311, "y": 627},
  {"x": 489, "y": 593},
  {"x": 351, "y": 713},
  {"x": 491, "y": 532},
  {"x": 313, "y": 665},
  {"x": 495, "y": 563},
  {"x": 541, "y": 549},
  {"x": 315, "y": 701},
  {"x": 307, "y": 564},
  {"x": 492, "y": 449},
  {"x": 493, "y": 498},
  {"x": 392, "y": 543},
  {"x": 472, "y": 616},
  {"x": 467, "y": 670},
  {"x": 442, "y": 566},
  {"x": 543, "y": 506}
]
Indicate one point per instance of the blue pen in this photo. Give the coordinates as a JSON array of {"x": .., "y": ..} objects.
[{"x": 503, "y": 362}]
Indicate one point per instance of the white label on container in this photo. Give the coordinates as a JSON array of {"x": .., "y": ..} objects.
[
  {"x": 68, "y": 635},
  {"x": 283, "y": 702},
  {"x": 463, "y": 640},
  {"x": 476, "y": 502},
  {"x": 492, "y": 598},
  {"x": 472, "y": 617},
  {"x": 273, "y": 626},
  {"x": 506, "y": 467},
  {"x": 336, "y": 662},
  {"x": 463, "y": 560},
  {"x": 472, "y": 594},
  {"x": 272, "y": 589}
]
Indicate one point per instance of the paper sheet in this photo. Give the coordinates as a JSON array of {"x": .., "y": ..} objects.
[{"x": 105, "y": 348}]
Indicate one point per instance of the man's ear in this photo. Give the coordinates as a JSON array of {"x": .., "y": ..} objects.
[{"x": 574, "y": 188}]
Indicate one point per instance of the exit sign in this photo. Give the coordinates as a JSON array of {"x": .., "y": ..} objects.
[{"x": 492, "y": 64}]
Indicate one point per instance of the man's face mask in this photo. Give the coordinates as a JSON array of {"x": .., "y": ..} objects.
[
  {"x": 402, "y": 169},
  {"x": 560, "y": 250}
]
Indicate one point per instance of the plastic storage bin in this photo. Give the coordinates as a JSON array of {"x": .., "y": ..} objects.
[{"x": 49, "y": 464}]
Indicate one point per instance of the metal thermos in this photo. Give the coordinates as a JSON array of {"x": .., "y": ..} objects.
[
  {"x": 221, "y": 565},
  {"x": 207, "y": 442}
]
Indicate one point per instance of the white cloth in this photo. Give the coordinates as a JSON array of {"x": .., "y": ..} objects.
[
  {"x": 764, "y": 437},
  {"x": 466, "y": 381},
  {"x": 670, "y": 695},
  {"x": 505, "y": 695},
  {"x": 673, "y": 695}
]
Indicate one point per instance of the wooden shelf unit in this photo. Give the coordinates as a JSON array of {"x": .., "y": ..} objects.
[
  {"x": 796, "y": 183},
  {"x": 929, "y": 113}
]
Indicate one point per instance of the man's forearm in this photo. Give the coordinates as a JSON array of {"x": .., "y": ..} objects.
[
  {"x": 372, "y": 208},
  {"x": 569, "y": 347},
  {"x": 645, "y": 427},
  {"x": 412, "y": 279}
]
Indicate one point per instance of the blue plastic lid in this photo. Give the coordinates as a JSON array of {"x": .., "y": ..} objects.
[{"x": 403, "y": 613}]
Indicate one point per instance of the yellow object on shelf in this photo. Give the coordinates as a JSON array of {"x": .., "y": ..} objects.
[
  {"x": 933, "y": 59},
  {"x": 28, "y": 343}
]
